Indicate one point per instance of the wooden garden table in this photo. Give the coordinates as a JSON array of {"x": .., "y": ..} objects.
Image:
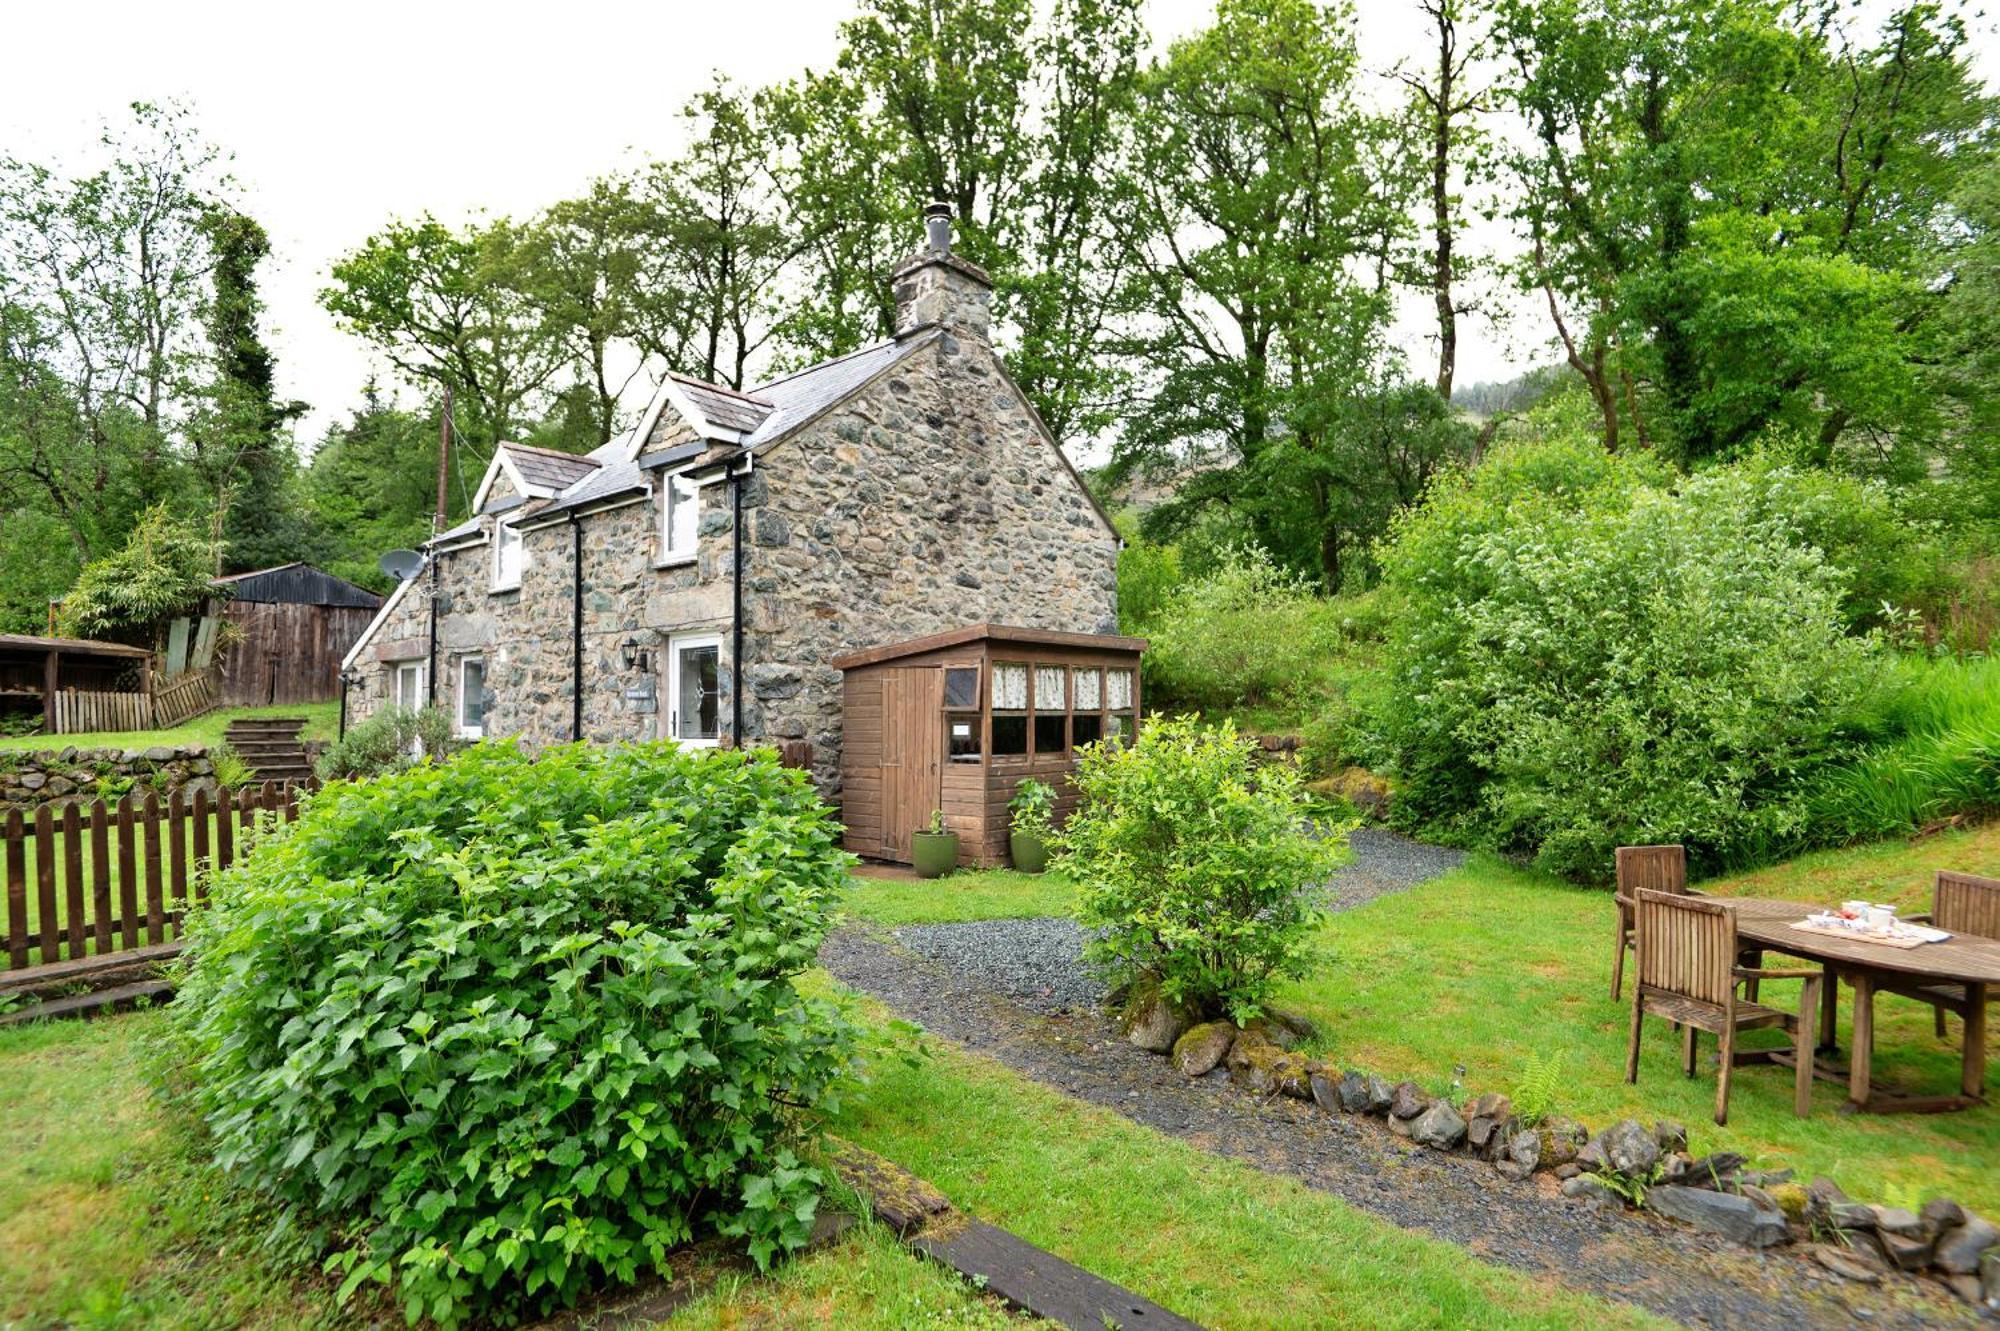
[{"x": 1959, "y": 960}]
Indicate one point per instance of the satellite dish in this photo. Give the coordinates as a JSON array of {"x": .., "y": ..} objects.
[{"x": 402, "y": 565}]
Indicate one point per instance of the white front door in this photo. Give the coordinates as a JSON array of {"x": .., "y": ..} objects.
[{"x": 694, "y": 690}]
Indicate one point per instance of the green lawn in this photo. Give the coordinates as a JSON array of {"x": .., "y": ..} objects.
[
  {"x": 970, "y": 894},
  {"x": 1492, "y": 966},
  {"x": 108, "y": 1222},
  {"x": 322, "y": 721}
]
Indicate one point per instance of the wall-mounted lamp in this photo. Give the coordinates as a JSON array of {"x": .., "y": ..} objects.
[{"x": 635, "y": 656}]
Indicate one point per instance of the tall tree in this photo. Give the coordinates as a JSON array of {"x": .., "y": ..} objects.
[
  {"x": 103, "y": 281},
  {"x": 1258, "y": 287},
  {"x": 442, "y": 306},
  {"x": 1447, "y": 107},
  {"x": 242, "y": 444},
  {"x": 1735, "y": 210}
]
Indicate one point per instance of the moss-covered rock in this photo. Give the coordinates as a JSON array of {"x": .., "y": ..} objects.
[{"x": 1202, "y": 1047}]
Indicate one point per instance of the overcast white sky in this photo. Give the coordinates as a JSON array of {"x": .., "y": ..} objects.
[{"x": 343, "y": 116}]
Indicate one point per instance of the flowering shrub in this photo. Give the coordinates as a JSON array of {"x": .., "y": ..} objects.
[
  {"x": 1195, "y": 866},
  {"x": 510, "y": 1029}
]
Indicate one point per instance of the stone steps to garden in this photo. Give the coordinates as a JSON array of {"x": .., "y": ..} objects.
[{"x": 271, "y": 747}]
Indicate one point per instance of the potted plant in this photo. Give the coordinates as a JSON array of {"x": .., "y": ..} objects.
[
  {"x": 934, "y": 850},
  {"x": 1034, "y": 809}
]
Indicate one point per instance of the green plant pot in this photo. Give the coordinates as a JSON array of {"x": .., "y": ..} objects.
[
  {"x": 1030, "y": 852},
  {"x": 933, "y": 854}
]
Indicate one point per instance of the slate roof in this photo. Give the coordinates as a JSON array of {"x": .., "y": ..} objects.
[
  {"x": 547, "y": 468},
  {"x": 298, "y": 584},
  {"x": 725, "y": 406},
  {"x": 779, "y": 407}
]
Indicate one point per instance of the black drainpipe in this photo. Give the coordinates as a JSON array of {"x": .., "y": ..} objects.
[
  {"x": 736, "y": 610},
  {"x": 342, "y": 732},
  {"x": 431, "y": 674},
  {"x": 576, "y": 626}
]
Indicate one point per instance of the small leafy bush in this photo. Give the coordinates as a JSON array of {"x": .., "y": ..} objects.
[
  {"x": 1197, "y": 867},
  {"x": 389, "y": 741},
  {"x": 1033, "y": 808},
  {"x": 1246, "y": 633},
  {"x": 507, "y": 1030}
]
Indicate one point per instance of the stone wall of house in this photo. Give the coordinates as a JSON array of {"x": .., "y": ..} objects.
[{"x": 929, "y": 501}]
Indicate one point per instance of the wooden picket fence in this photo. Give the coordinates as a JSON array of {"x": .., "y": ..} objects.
[
  {"x": 91, "y": 880},
  {"x": 79, "y": 711}
]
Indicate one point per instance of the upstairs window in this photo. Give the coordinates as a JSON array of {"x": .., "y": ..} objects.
[
  {"x": 510, "y": 556},
  {"x": 680, "y": 510}
]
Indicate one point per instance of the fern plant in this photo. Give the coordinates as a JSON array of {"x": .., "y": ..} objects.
[{"x": 1535, "y": 1094}]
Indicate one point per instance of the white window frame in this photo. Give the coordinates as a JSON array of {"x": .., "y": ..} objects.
[
  {"x": 669, "y": 501},
  {"x": 500, "y": 582},
  {"x": 675, "y": 645},
  {"x": 416, "y": 672},
  {"x": 464, "y": 730}
]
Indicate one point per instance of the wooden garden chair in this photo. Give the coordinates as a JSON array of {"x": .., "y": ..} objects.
[
  {"x": 1654, "y": 869},
  {"x": 1961, "y": 903},
  {"x": 1687, "y": 973}
]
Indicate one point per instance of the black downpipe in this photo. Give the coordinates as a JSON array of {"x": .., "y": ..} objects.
[
  {"x": 576, "y": 626},
  {"x": 342, "y": 732},
  {"x": 431, "y": 674},
  {"x": 736, "y": 611}
]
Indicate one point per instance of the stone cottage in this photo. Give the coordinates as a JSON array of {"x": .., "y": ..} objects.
[{"x": 907, "y": 488}]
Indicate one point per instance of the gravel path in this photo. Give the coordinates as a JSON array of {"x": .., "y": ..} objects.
[
  {"x": 1014, "y": 990},
  {"x": 1038, "y": 963}
]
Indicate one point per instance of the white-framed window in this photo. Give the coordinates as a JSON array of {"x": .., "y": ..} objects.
[
  {"x": 510, "y": 556},
  {"x": 694, "y": 690},
  {"x": 472, "y": 697},
  {"x": 680, "y": 511},
  {"x": 408, "y": 686}
]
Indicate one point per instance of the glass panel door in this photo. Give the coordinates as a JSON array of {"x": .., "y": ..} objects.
[{"x": 694, "y": 690}]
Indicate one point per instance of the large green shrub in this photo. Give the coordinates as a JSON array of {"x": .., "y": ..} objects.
[
  {"x": 166, "y": 567},
  {"x": 511, "y": 1029},
  {"x": 1197, "y": 867},
  {"x": 1587, "y": 658}
]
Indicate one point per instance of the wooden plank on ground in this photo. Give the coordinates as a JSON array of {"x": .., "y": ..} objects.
[{"x": 1041, "y": 1282}]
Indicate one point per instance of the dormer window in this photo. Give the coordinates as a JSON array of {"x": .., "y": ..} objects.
[
  {"x": 680, "y": 509},
  {"x": 510, "y": 556}
]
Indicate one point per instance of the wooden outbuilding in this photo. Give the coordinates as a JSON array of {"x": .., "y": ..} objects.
[
  {"x": 294, "y": 624},
  {"x": 76, "y": 684},
  {"x": 956, "y": 721}
]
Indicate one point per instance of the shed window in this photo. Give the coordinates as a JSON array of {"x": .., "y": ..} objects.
[
  {"x": 1085, "y": 728},
  {"x": 510, "y": 556},
  {"x": 1118, "y": 690},
  {"x": 1089, "y": 689},
  {"x": 1010, "y": 709},
  {"x": 962, "y": 738},
  {"x": 680, "y": 510},
  {"x": 1051, "y": 732},
  {"x": 1120, "y": 727},
  {"x": 1051, "y": 688},
  {"x": 961, "y": 686},
  {"x": 1010, "y": 687}
]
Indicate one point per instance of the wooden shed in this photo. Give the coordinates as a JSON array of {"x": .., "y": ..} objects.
[
  {"x": 295, "y": 623},
  {"x": 956, "y": 721},
  {"x": 75, "y": 684}
]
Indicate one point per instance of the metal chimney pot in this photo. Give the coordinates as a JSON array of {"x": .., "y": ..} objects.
[{"x": 937, "y": 227}]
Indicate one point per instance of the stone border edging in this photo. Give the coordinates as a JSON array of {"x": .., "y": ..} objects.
[{"x": 1624, "y": 1166}]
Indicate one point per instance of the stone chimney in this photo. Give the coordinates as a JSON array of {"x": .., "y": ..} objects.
[{"x": 935, "y": 286}]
